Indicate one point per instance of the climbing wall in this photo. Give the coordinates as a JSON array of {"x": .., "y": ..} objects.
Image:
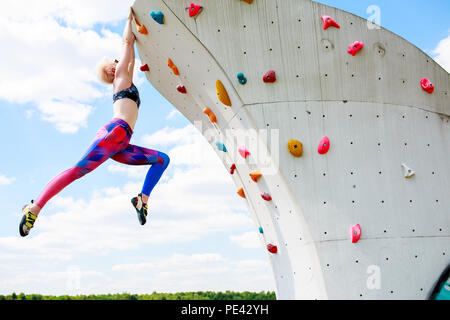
[{"x": 336, "y": 135}]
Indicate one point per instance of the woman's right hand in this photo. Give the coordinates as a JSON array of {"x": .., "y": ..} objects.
[{"x": 131, "y": 14}]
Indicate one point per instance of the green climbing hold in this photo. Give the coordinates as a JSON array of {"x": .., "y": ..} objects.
[
  {"x": 242, "y": 79},
  {"x": 221, "y": 147}
]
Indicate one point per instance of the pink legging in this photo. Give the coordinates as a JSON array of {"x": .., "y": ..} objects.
[{"x": 111, "y": 141}]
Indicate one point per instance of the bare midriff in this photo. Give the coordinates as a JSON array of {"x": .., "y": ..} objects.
[{"x": 127, "y": 110}]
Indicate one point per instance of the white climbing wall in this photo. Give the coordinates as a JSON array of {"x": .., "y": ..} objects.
[{"x": 372, "y": 108}]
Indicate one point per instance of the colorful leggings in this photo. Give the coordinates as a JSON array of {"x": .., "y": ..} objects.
[{"x": 111, "y": 141}]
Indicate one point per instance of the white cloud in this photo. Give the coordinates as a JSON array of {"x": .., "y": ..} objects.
[
  {"x": 206, "y": 272},
  {"x": 442, "y": 53},
  {"x": 170, "y": 136},
  {"x": 67, "y": 116},
  {"x": 189, "y": 204},
  {"x": 205, "y": 204},
  {"x": 247, "y": 240},
  {"x": 135, "y": 172},
  {"x": 51, "y": 65},
  {"x": 172, "y": 114},
  {"x": 4, "y": 180},
  {"x": 81, "y": 13}
]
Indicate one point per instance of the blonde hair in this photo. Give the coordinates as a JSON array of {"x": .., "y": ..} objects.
[{"x": 101, "y": 70}]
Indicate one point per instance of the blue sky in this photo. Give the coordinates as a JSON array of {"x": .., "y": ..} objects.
[{"x": 200, "y": 235}]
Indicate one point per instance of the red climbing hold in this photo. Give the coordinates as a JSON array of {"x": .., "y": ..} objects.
[
  {"x": 232, "y": 168},
  {"x": 272, "y": 249},
  {"x": 356, "y": 233},
  {"x": 145, "y": 68},
  {"x": 427, "y": 85},
  {"x": 355, "y": 47},
  {"x": 266, "y": 196},
  {"x": 194, "y": 9},
  {"x": 182, "y": 89},
  {"x": 270, "y": 77},
  {"x": 324, "y": 145},
  {"x": 243, "y": 151},
  {"x": 329, "y": 22}
]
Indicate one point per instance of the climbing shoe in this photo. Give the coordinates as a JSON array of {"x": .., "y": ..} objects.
[
  {"x": 141, "y": 208},
  {"x": 27, "y": 221}
]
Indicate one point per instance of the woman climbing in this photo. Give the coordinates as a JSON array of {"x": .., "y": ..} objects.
[{"x": 112, "y": 140}]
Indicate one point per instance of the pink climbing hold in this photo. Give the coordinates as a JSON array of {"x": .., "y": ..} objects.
[
  {"x": 270, "y": 77},
  {"x": 324, "y": 145},
  {"x": 194, "y": 9},
  {"x": 355, "y": 47},
  {"x": 272, "y": 248},
  {"x": 427, "y": 85},
  {"x": 145, "y": 68},
  {"x": 243, "y": 151},
  {"x": 266, "y": 196},
  {"x": 356, "y": 233},
  {"x": 182, "y": 89},
  {"x": 232, "y": 168},
  {"x": 329, "y": 22}
]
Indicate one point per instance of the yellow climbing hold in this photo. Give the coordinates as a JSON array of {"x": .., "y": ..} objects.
[
  {"x": 255, "y": 175},
  {"x": 210, "y": 114},
  {"x": 241, "y": 192},
  {"x": 295, "y": 147},
  {"x": 222, "y": 94}
]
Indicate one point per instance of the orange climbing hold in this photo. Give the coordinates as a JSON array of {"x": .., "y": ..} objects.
[
  {"x": 140, "y": 28},
  {"x": 173, "y": 67},
  {"x": 295, "y": 147},
  {"x": 255, "y": 175},
  {"x": 248, "y": 1},
  {"x": 272, "y": 248},
  {"x": 210, "y": 114},
  {"x": 222, "y": 93},
  {"x": 241, "y": 192}
]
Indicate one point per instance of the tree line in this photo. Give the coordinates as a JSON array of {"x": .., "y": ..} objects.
[{"x": 199, "y": 295}]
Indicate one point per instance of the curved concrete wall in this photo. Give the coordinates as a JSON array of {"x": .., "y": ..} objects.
[{"x": 372, "y": 108}]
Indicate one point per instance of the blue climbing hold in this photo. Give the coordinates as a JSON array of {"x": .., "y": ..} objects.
[
  {"x": 242, "y": 79},
  {"x": 158, "y": 16},
  {"x": 221, "y": 147},
  {"x": 261, "y": 230}
]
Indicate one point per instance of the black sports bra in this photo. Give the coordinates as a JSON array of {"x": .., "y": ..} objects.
[{"x": 130, "y": 93}]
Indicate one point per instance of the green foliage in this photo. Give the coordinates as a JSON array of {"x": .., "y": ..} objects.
[{"x": 199, "y": 295}]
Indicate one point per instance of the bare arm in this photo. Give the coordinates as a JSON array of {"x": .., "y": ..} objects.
[{"x": 125, "y": 66}]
